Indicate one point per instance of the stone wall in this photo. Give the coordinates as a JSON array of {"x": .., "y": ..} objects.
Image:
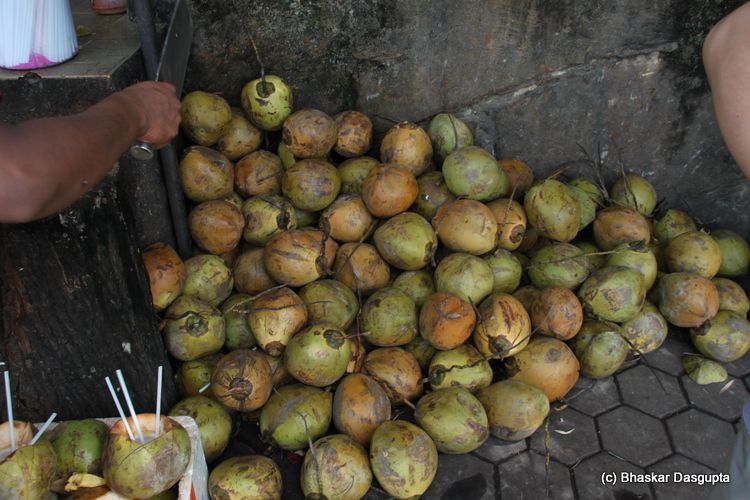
[{"x": 536, "y": 80}]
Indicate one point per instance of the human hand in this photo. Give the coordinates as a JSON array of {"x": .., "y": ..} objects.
[{"x": 158, "y": 111}]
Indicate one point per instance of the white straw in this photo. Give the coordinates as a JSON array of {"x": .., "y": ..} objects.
[
  {"x": 204, "y": 388},
  {"x": 119, "y": 408},
  {"x": 158, "y": 401},
  {"x": 9, "y": 404},
  {"x": 44, "y": 428},
  {"x": 125, "y": 392}
]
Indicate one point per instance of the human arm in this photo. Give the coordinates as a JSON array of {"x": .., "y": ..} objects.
[
  {"x": 47, "y": 164},
  {"x": 726, "y": 58}
]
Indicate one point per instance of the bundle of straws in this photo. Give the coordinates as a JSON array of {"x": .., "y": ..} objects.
[{"x": 36, "y": 33}]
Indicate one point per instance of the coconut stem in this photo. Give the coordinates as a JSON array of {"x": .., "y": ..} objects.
[{"x": 9, "y": 405}]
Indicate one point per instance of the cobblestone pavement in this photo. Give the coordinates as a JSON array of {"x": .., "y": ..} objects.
[{"x": 649, "y": 417}]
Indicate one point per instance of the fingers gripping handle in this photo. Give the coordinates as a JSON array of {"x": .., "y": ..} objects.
[{"x": 142, "y": 151}]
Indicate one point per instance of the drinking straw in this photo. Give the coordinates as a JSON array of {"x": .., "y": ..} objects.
[
  {"x": 9, "y": 404},
  {"x": 119, "y": 408},
  {"x": 44, "y": 428},
  {"x": 204, "y": 388},
  {"x": 158, "y": 401},
  {"x": 125, "y": 392}
]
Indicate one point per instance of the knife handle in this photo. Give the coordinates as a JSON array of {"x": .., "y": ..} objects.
[{"x": 141, "y": 150}]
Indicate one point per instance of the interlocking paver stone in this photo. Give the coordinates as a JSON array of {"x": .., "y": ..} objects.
[
  {"x": 496, "y": 450},
  {"x": 671, "y": 489},
  {"x": 593, "y": 397},
  {"x": 524, "y": 476},
  {"x": 701, "y": 437},
  {"x": 668, "y": 357},
  {"x": 588, "y": 479},
  {"x": 727, "y": 404},
  {"x": 572, "y": 437},
  {"x": 462, "y": 476},
  {"x": 640, "y": 387},
  {"x": 634, "y": 436},
  {"x": 739, "y": 368}
]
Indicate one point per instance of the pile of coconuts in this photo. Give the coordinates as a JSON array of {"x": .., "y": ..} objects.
[{"x": 374, "y": 312}]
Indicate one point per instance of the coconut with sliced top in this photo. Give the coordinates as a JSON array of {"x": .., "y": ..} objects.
[
  {"x": 142, "y": 470},
  {"x": 27, "y": 472}
]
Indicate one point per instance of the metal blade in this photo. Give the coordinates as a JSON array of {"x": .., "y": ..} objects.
[{"x": 174, "y": 56}]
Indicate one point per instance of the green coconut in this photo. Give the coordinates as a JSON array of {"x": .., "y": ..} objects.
[
  {"x": 633, "y": 191},
  {"x": 192, "y": 376},
  {"x": 353, "y": 171},
  {"x": 240, "y": 137},
  {"x": 266, "y": 216},
  {"x": 553, "y": 210},
  {"x": 559, "y": 264},
  {"x": 587, "y": 202},
  {"x": 330, "y": 301},
  {"x": 208, "y": 279},
  {"x": 294, "y": 415},
  {"x": 28, "y": 472},
  {"x": 422, "y": 350},
  {"x": 686, "y": 299},
  {"x": 732, "y": 296},
  {"x": 735, "y": 252},
  {"x": 136, "y": 470},
  {"x": 311, "y": 184},
  {"x": 336, "y": 467},
  {"x": 390, "y": 317},
  {"x": 454, "y": 419},
  {"x": 591, "y": 252},
  {"x": 473, "y": 173},
  {"x": 318, "y": 355},
  {"x": 242, "y": 380},
  {"x": 406, "y": 241},
  {"x": 309, "y": 133},
  {"x": 725, "y": 337},
  {"x": 462, "y": 366},
  {"x": 615, "y": 225},
  {"x": 672, "y": 224},
  {"x": 397, "y": 371},
  {"x": 238, "y": 334},
  {"x": 694, "y": 252},
  {"x": 613, "y": 293},
  {"x": 703, "y": 371},
  {"x": 547, "y": 364},
  {"x": 204, "y": 117},
  {"x": 267, "y": 101},
  {"x": 638, "y": 257},
  {"x": 213, "y": 421},
  {"x": 515, "y": 409},
  {"x": 647, "y": 330},
  {"x": 600, "y": 348},
  {"x": 360, "y": 405},
  {"x": 193, "y": 329},
  {"x": 506, "y": 271},
  {"x": 416, "y": 284},
  {"x": 403, "y": 458},
  {"x": 78, "y": 446},
  {"x": 433, "y": 193},
  {"x": 466, "y": 276},
  {"x": 251, "y": 476},
  {"x": 285, "y": 154},
  {"x": 205, "y": 174},
  {"x": 589, "y": 187},
  {"x": 448, "y": 134}
]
